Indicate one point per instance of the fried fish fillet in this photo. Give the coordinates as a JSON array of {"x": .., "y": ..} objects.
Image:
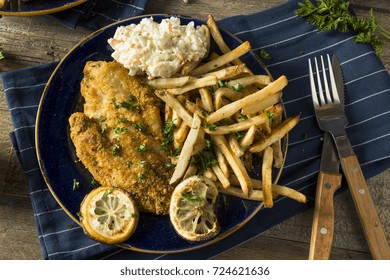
[
  {"x": 118, "y": 136},
  {"x": 109, "y": 91}
]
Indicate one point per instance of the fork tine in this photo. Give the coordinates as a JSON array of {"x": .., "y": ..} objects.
[
  {"x": 313, "y": 86},
  {"x": 327, "y": 93},
  {"x": 320, "y": 90},
  {"x": 335, "y": 94}
]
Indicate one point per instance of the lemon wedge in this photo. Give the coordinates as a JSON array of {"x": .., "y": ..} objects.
[
  {"x": 192, "y": 209},
  {"x": 109, "y": 215}
]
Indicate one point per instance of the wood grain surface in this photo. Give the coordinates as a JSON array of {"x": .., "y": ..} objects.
[{"x": 29, "y": 41}]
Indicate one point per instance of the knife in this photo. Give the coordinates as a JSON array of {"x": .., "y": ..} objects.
[{"x": 328, "y": 182}]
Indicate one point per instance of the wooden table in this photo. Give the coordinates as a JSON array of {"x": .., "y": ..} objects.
[{"x": 30, "y": 41}]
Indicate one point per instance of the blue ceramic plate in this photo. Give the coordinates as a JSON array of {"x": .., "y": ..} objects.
[
  {"x": 36, "y": 7},
  {"x": 56, "y": 153}
]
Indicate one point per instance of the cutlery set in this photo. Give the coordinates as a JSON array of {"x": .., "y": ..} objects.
[{"x": 328, "y": 99}]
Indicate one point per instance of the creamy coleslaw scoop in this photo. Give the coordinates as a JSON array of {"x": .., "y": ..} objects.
[{"x": 158, "y": 49}]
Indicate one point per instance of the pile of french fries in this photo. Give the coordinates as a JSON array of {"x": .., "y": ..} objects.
[{"x": 223, "y": 102}]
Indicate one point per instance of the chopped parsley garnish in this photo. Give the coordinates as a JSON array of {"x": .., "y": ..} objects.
[
  {"x": 129, "y": 163},
  {"x": 110, "y": 191},
  {"x": 95, "y": 183},
  {"x": 132, "y": 98},
  {"x": 120, "y": 130},
  {"x": 192, "y": 198},
  {"x": 206, "y": 158},
  {"x": 142, "y": 148},
  {"x": 243, "y": 117},
  {"x": 115, "y": 149},
  {"x": 264, "y": 54},
  {"x": 169, "y": 127},
  {"x": 1, "y": 54},
  {"x": 102, "y": 118},
  {"x": 209, "y": 144},
  {"x": 127, "y": 105},
  {"x": 104, "y": 128},
  {"x": 269, "y": 114},
  {"x": 211, "y": 127},
  {"x": 141, "y": 163},
  {"x": 121, "y": 120},
  {"x": 223, "y": 122},
  {"x": 169, "y": 166},
  {"x": 140, "y": 176},
  {"x": 175, "y": 152},
  {"x": 221, "y": 84},
  {"x": 238, "y": 87},
  {"x": 239, "y": 135},
  {"x": 140, "y": 126},
  {"x": 76, "y": 184},
  {"x": 79, "y": 215}
]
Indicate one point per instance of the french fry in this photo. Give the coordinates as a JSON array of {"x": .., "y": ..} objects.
[
  {"x": 223, "y": 164},
  {"x": 180, "y": 134},
  {"x": 186, "y": 151},
  {"x": 208, "y": 38},
  {"x": 278, "y": 133},
  {"x": 164, "y": 83},
  {"x": 175, "y": 105},
  {"x": 249, "y": 137},
  {"x": 168, "y": 112},
  {"x": 176, "y": 119},
  {"x": 194, "y": 84},
  {"x": 258, "y": 80},
  {"x": 261, "y": 95},
  {"x": 209, "y": 173},
  {"x": 227, "y": 73},
  {"x": 256, "y": 195},
  {"x": 234, "y": 162},
  {"x": 207, "y": 100},
  {"x": 260, "y": 106},
  {"x": 222, "y": 60},
  {"x": 229, "y": 93},
  {"x": 257, "y": 120},
  {"x": 276, "y": 189},
  {"x": 277, "y": 146},
  {"x": 188, "y": 67},
  {"x": 216, "y": 35},
  {"x": 191, "y": 171},
  {"x": 266, "y": 172},
  {"x": 235, "y": 146},
  {"x": 221, "y": 176}
]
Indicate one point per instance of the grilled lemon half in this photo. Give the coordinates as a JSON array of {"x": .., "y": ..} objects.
[
  {"x": 109, "y": 215},
  {"x": 192, "y": 209}
]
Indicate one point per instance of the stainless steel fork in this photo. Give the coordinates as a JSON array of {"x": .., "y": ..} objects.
[{"x": 331, "y": 118}]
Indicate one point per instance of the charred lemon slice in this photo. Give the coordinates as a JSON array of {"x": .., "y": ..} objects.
[
  {"x": 109, "y": 215},
  {"x": 192, "y": 212}
]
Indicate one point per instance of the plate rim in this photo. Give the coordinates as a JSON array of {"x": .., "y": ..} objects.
[
  {"x": 43, "y": 12},
  {"x": 216, "y": 239}
]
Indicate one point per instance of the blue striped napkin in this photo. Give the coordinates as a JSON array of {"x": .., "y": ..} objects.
[
  {"x": 290, "y": 41},
  {"x": 95, "y": 14}
]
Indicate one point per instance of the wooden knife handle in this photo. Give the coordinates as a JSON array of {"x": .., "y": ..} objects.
[
  {"x": 372, "y": 228},
  {"x": 323, "y": 218}
]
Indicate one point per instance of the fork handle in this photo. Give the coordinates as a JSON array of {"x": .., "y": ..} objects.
[
  {"x": 323, "y": 217},
  {"x": 372, "y": 228}
]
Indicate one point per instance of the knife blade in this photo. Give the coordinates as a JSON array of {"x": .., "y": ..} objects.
[
  {"x": 328, "y": 182},
  {"x": 371, "y": 224}
]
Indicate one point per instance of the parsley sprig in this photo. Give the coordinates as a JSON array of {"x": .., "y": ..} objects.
[{"x": 335, "y": 15}]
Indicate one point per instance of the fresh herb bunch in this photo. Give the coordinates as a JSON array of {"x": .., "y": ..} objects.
[{"x": 335, "y": 15}]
